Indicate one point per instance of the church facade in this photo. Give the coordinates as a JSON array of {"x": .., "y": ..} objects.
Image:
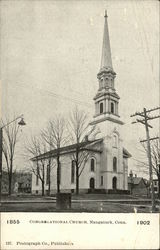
[{"x": 106, "y": 168}]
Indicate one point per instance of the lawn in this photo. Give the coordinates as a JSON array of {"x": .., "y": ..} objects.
[
  {"x": 89, "y": 203},
  {"x": 74, "y": 197},
  {"x": 76, "y": 207}
]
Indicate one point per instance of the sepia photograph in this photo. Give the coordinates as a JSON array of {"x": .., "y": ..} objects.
[{"x": 80, "y": 106}]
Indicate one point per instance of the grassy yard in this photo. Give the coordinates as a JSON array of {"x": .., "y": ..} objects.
[
  {"x": 76, "y": 207},
  {"x": 109, "y": 203},
  {"x": 74, "y": 196}
]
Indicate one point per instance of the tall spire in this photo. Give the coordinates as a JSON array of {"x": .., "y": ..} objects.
[
  {"x": 106, "y": 99},
  {"x": 106, "y": 60}
]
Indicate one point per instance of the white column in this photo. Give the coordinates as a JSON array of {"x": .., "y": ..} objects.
[{"x": 116, "y": 108}]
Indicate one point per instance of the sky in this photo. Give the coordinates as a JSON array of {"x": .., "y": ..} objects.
[{"x": 51, "y": 54}]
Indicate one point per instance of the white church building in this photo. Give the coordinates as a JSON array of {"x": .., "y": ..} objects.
[{"x": 106, "y": 169}]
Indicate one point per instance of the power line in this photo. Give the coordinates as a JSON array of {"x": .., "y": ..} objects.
[
  {"x": 67, "y": 98},
  {"x": 77, "y": 101},
  {"x": 142, "y": 113}
]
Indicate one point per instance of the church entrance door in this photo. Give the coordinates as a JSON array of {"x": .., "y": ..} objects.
[
  {"x": 114, "y": 183},
  {"x": 92, "y": 183}
]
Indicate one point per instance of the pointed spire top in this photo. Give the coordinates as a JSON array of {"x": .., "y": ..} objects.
[
  {"x": 106, "y": 60},
  {"x": 105, "y": 13}
]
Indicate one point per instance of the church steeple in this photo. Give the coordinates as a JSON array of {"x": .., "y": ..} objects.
[
  {"x": 106, "y": 60},
  {"x": 106, "y": 99},
  {"x": 106, "y": 74}
]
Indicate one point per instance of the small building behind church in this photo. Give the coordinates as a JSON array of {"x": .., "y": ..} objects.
[
  {"x": 106, "y": 168},
  {"x": 138, "y": 185}
]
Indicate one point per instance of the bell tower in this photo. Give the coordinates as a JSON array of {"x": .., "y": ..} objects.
[
  {"x": 106, "y": 100},
  {"x": 112, "y": 162}
]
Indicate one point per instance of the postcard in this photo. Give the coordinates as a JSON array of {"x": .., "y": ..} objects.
[{"x": 79, "y": 129}]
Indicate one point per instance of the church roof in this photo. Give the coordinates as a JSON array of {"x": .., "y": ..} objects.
[
  {"x": 126, "y": 154},
  {"x": 135, "y": 180},
  {"x": 99, "y": 94},
  {"x": 85, "y": 145}
]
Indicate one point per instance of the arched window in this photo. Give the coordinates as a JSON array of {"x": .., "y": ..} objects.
[
  {"x": 72, "y": 171},
  {"x": 92, "y": 164},
  {"x": 112, "y": 107},
  {"x": 101, "y": 107},
  {"x": 114, "y": 183},
  {"x": 114, "y": 164}
]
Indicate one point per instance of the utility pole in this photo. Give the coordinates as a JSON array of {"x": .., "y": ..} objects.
[{"x": 144, "y": 121}]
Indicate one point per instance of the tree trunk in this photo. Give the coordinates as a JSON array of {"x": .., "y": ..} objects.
[
  {"x": 10, "y": 178},
  {"x": 58, "y": 175},
  {"x": 159, "y": 186},
  {"x": 42, "y": 188},
  {"x": 77, "y": 180},
  {"x": 49, "y": 181},
  {"x": 10, "y": 184},
  {"x": 77, "y": 173},
  {"x": 43, "y": 181}
]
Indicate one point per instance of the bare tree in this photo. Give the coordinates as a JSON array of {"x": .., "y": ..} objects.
[
  {"x": 10, "y": 139},
  {"x": 54, "y": 135},
  {"x": 79, "y": 131},
  {"x": 36, "y": 147},
  {"x": 155, "y": 156}
]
